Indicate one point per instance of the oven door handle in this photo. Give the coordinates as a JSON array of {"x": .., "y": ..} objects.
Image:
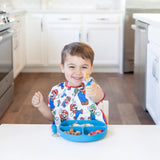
[{"x": 7, "y": 34}]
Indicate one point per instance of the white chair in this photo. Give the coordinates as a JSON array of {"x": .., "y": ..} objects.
[{"x": 105, "y": 107}]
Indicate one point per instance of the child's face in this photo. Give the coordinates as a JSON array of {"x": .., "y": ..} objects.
[{"x": 75, "y": 69}]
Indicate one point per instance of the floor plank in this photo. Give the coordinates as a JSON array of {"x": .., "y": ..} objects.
[
  {"x": 128, "y": 113},
  {"x": 123, "y": 105}
]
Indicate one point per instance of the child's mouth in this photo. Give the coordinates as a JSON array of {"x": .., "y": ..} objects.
[{"x": 77, "y": 78}]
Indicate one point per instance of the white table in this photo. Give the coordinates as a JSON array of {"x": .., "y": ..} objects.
[{"x": 35, "y": 142}]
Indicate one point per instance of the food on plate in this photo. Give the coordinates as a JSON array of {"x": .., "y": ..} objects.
[
  {"x": 71, "y": 131},
  {"x": 95, "y": 132}
]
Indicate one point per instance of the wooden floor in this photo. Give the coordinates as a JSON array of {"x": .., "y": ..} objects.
[{"x": 123, "y": 105}]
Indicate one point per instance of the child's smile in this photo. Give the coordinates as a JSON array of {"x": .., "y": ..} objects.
[{"x": 77, "y": 78}]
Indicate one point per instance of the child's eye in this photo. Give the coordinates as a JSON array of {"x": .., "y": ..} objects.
[
  {"x": 84, "y": 67},
  {"x": 71, "y": 66}
]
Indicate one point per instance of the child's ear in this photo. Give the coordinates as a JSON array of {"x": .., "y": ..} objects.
[{"x": 62, "y": 67}]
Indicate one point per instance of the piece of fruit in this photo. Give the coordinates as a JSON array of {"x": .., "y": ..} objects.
[{"x": 87, "y": 76}]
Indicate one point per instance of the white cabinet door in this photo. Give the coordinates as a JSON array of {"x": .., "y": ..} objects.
[
  {"x": 18, "y": 45},
  {"x": 153, "y": 82},
  {"x": 34, "y": 40},
  {"x": 57, "y": 37},
  {"x": 105, "y": 42},
  {"x": 61, "y": 29},
  {"x": 16, "y": 55}
]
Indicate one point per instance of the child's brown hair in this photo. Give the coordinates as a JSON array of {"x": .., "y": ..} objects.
[{"x": 77, "y": 49}]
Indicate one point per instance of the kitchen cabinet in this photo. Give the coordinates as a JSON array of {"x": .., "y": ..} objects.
[
  {"x": 60, "y": 30},
  {"x": 47, "y": 34},
  {"x": 35, "y": 40},
  {"x": 18, "y": 44},
  {"x": 103, "y": 35},
  {"x": 153, "y": 74}
]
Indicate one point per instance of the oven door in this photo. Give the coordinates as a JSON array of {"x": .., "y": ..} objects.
[{"x": 6, "y": 60}]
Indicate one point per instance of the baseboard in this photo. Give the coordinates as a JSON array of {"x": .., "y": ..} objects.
[{"x": 97, "y": 68}]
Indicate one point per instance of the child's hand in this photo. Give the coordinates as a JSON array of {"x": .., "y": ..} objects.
[
  {"x": 94, "y": 92},
  {"x": 37, "y": 99}
]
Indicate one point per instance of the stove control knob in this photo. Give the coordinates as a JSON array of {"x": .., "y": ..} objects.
[
  {"x": 2, "y": 20},
  {"x": 11, "y": 19}
]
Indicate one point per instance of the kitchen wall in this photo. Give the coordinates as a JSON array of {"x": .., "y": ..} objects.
[
  {"x": 72, "y": 4},
  {"x": 59, "y": 4},
  {"x": 88, "y": 4},
  {"x": 20, "y": 4},
  {"x": 5, "y": 4}
]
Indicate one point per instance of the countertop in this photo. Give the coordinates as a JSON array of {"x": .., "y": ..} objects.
[
  {"x": 15, "y": 12},
  {"x": 151, "y": 19},
  {"x": 75, "y": 11},
  {"x": 35, "y": 141},
  {"x": 40, "y": 11}
]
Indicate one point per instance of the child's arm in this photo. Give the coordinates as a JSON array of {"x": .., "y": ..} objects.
[
  {"x": 38, "y": 102},
  {"x": 94, "y": 92}
]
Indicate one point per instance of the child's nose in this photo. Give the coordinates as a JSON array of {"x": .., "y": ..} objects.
[{"x": 79, "y": 70}]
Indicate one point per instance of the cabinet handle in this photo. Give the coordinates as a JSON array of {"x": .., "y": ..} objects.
[
  {"x": 41, "y": 25},
  {"x": 1, "y": 38},
  {"x": 155, "y": 69},
  {"x": 87, "y": 36},
  {"x": 102, "y": 19},
  {"x": 79, "y": 36},
  {"x": 65, "y": 19}
]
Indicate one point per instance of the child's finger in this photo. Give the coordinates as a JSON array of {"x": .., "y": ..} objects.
[
  {"x": 35, "y": 100},
  {"x": 40, "y": 95},
  {"x": 37, "y": 94}
]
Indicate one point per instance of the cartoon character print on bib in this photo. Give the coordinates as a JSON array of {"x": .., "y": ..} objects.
[
  {"x": 53, "y": 95},
  {"x": 64, "y": 115},
  {"x": 75, "y": 111},
  {"x": 73, "y": 103},
  {"x": 92, "y": 109},
  {"x": 82, "y": 97}
]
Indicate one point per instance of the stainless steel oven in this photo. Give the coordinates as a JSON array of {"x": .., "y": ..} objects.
[{"x": 6, "y": 62}]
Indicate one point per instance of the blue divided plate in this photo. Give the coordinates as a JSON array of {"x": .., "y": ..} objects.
[{"x": 84, "y": 130}]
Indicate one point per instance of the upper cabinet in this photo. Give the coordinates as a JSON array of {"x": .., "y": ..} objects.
[{"x": 48, "y": 33}]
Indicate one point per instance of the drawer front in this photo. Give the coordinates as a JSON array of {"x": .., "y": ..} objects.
[
  {"x": 66, "y": 18},
  {"x": 154, "y": 35},
  {"x": 102, "y": 18}
]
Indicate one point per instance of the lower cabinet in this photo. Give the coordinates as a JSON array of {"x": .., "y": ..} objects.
[
  {"x": 35, "y": 54},
  {"x": 104, "y": 40},
  {"x": 153, "y": 82},
  {"x": 153, "y": 73},
  {"x": 18, "y": 44},
  {"x": 46, "y": 35},
  {"x": 56, "y": 38}
]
